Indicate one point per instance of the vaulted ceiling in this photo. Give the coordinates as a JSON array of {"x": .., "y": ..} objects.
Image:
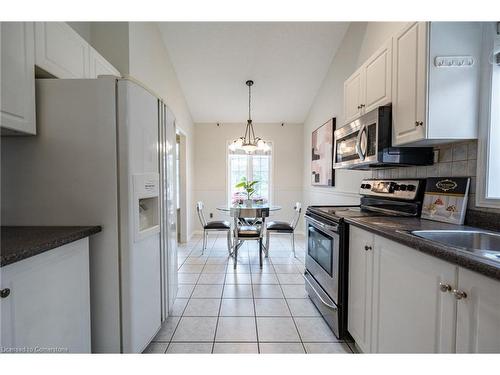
[{"x": 287, "y": 60}]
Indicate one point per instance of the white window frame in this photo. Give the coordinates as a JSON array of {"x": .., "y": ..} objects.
[
  {"x": 271, "y": 172},
  {"x": 488, "y": 113}
]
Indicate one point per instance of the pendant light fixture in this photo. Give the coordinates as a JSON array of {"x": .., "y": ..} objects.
[{"x": 249, "y": 142}]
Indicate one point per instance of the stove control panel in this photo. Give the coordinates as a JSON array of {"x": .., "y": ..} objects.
[{"x": 398, "y": 189}]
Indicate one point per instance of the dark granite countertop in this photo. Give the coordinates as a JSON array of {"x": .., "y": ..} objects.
[
  {"x": 18, "y": 243},
  {"x": 397, "y": 229}
]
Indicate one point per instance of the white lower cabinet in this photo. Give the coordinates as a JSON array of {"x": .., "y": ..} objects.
[
  {"x": 410, "y": 312},
  {"x": 359, "y": 305},
  {"x": 48, "y": 308},
  {"x": 403, "y": 301},
  {"x": 478, "y": 314}
]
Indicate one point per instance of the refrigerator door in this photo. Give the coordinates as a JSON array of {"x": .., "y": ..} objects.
[
  {"x": 168, "y": 209},
  {"x": 139, "y": 213}
]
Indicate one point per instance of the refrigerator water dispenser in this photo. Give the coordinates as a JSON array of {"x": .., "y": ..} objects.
[{"x": 146, "y": 205}]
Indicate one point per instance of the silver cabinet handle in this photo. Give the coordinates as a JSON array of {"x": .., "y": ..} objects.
[
  {"x": 368, "y": 248},
  {"x": 444, "y": 287},
  {"x": 4, "y": 293},
  {"x": 362, "y": 106},
  {"x": 459, "y": 294}
]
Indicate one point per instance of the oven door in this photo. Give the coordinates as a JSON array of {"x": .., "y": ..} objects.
[{"x": 322, "y": 258}]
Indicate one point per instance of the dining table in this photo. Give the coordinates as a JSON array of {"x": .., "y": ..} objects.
[{"x": 227, "y": 208}]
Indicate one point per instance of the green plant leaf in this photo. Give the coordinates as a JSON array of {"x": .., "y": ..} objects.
[
  {"x": 252, "y": 183},
  {"x": 240, "y": 184}
]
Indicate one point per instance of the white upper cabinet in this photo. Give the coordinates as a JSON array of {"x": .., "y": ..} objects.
[
  {"x": 478, "y": 313},
  {"x": 60, "y": 51},
  {"x": 435, "y": 82},
  {"x": 353, "y": 96},
  {"x": 360, "y": 287},
  {"x": 378, "y": 77},
  {"x": 100, "y": 66},
  {"x": 370, "y": 85},
  {"x": 411, "y": 314},
  {"x": 17, "y": 94}
]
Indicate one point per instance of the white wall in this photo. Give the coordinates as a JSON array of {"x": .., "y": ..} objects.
[
  {"x": 360, "y": 41},
  {"x": 211, "y": 163}
]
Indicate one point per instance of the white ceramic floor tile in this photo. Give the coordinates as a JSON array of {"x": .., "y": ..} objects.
[
  {"x": 277, "y": 330},
  {"x": 217, "y": 260},
  {"x": 286, "y": 268},
  {"x": 167, "y": 329},
  {"x": 207, "y": 291},
  {"x": 214, "y": 268},
  {"x": 178, "y": 307},
  {"x": 189, "y": 348},
  {"x": 281, "y": 348},
  {"x": 236, "y": 329},
  {"x": 212, "y": 278},
  {"x": 202, "y": 307},
  {"x": 264, "y": 278},
  {"x": 191, "y": 268},
  {"x": 196, "y": 260},
  {"x": 314, "y": 330},
  {"x": 302, "y": 307},
  {"x": 294, "y": 291},
  {"x": 237, "y": 307},
  {"x": 267, "y": 291},
  {"x": 236, "y": 348},
  {"x": 327, "y": 348},
  {"x": 195, "y": 329},
  {"x": 238, "y": 278},
  {"x": 188, "y": 278},
  {"x": 185, "y": 290},
  {"x": 156, "y": 348},
  {"x": 271, "y": 307},
  {"x": 266, "y": 268},
  {"x": 290, "y": 278},
  {"x": 238, "y": 291}
]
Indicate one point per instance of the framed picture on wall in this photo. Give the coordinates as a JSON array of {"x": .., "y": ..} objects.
[{"x": 322, "y": 173}]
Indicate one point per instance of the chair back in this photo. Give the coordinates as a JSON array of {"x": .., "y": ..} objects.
[
  {"x": 296, "y": 216},
  {"x": 199, "y": 210}
]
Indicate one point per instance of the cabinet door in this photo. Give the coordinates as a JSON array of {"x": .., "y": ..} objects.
[
  {"x": 353, "y": 94},
  {"x": 49, "y": 301},
  {"x": 17, "y": 94},
  {"x": 478, "y": 315},
  {"x": 359, "y": 304},
  {"x": 409, "y": 84},
  {"x": 100, "y": 66},
  {"x": 378, "y": 78},
  {"x": 60, "y": 51},
  {"x": 411, "y": 314}
]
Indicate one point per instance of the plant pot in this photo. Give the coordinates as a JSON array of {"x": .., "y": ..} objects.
[{"x": 248, "y": 202}]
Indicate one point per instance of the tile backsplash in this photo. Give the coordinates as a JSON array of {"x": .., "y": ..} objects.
[{"x": 455, "y": 160}]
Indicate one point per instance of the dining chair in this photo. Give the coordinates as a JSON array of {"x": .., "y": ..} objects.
[
  {"x": 284, "y": 227},
  {"x": 213, "y": 226},
  {"x": 243, "y": 232}
]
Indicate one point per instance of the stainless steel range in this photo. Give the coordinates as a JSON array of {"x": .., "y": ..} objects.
[{"x": 327, "y": 237}]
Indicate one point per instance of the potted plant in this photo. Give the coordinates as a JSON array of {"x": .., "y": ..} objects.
[{"x": 248, "y": 186}]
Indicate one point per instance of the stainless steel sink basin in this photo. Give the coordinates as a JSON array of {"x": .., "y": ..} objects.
[{"x": 481, "y": 243}]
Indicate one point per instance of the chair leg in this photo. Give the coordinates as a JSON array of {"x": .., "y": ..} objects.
[
  {"x": 260, "y": 252},
  {"x": 235, "y": 253},
  {"x": 204, "y": 242},
  {"x": 293, "y": 244},
  {"x": 229, "y": 245},
  {"x": 268, "y": 234}
]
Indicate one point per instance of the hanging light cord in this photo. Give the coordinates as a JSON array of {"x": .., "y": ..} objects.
[{"x": 249, "y": 101}]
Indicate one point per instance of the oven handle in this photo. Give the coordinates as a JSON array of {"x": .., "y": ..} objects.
[
  {"x": 327, "y": 304},
  {"x": 331, "y": 228}
]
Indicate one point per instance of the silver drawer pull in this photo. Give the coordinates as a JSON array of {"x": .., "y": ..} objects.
[{"x": 319, "y": 295}]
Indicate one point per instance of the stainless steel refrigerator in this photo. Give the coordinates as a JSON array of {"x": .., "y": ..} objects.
[{"x": 104, "y": 154}]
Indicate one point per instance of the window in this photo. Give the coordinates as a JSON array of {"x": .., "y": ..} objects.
[
  {"x": 255, "y": 167},
  {"x": 488, "y": 183}
]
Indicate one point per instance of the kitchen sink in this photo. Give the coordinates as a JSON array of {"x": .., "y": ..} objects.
[{"x": 481, "y": 243}]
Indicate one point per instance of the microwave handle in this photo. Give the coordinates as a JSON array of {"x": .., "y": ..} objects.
[{"x": 358, "y": 142}]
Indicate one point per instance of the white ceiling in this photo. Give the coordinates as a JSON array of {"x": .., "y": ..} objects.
[{"x": 288, "y": 62}]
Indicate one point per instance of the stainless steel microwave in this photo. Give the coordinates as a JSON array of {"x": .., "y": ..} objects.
[{"x": 365, "y": 143}]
